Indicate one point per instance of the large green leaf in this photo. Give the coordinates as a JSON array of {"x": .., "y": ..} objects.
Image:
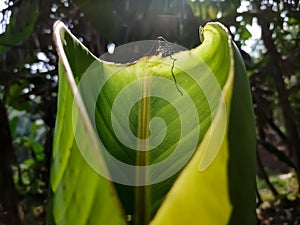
[{"x": 107, "y": 111}]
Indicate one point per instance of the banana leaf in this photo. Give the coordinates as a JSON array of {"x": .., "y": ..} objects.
[{"x": 166, "y": 139}]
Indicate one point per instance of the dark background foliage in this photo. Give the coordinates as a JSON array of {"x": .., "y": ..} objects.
[{"x": 267, "y": 33}]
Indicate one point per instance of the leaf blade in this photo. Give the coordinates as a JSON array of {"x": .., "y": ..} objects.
[
  {"x": 69, "y": 169},
  {"x": 204, "y": 194}
]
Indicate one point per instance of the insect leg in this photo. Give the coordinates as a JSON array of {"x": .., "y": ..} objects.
[{"x": 173, "y": 75}]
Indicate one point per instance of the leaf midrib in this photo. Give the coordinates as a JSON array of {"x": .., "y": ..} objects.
[{"x": 142, "y": 198}]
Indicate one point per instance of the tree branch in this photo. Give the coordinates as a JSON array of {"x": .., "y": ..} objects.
[
  {"x": 277, "y": 72},
  {"x": 8, "y": 192}
]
